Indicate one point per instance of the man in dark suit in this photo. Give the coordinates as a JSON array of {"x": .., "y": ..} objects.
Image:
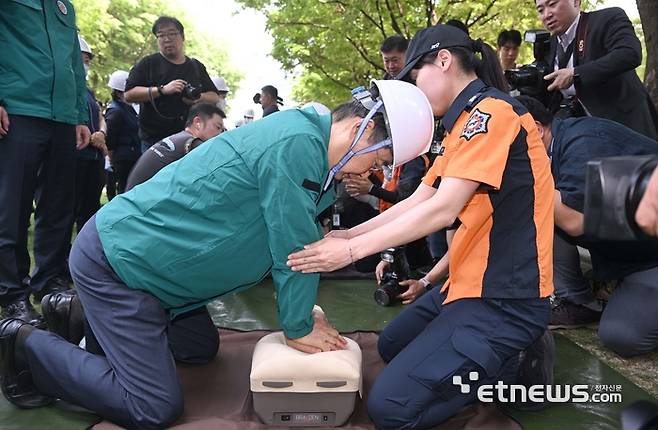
[{"x": 594, "y": 56}]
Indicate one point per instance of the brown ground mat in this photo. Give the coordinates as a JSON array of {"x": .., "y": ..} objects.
[{"x": 217, "y": 395}]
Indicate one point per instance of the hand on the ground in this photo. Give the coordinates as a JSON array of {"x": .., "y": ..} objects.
[
  {"x": 357, "y": 185},
  {"x": 415, "y": 290},
  {"x": 322, "y": 338},
  {"x": 4, "y": 122},
  {"x": 82, "y": 136},
  {"x": 174, "y": 87},
  {"x": 380, "y": 269},
  {"x": 326, "y": 255},
  {"x": 562, "y": 79}
]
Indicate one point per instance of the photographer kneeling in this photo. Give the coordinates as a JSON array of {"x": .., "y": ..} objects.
[{"x": 571, "y": 143}]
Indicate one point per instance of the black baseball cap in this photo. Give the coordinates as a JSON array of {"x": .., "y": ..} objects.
[{"x": 432, "y": 39}]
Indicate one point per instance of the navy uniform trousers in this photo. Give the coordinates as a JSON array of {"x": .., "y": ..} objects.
[
  {"x": 134, "y": 383},
  {"x": 37, "y": 162},
  {"x": 429, "y": 343}
]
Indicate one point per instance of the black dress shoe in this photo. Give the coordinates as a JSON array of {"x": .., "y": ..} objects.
[
  {"x": 15, "y": 377},
  {"x": 64, "y": 316},
  {"x": 23, "y": 310},
  {"x": 56, "y": 285}
]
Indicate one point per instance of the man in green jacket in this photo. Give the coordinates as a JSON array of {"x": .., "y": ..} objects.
[
  {"x": 213, "y": 223},
  {"x": 43, "y": 109}
]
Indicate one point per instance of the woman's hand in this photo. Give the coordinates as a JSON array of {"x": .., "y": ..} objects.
[{"x": 326, "y": 255}]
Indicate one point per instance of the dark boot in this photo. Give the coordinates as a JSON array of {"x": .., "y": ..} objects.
[
  {"x": 15, "y": 376},
  {"x": 565, "y": 314}
]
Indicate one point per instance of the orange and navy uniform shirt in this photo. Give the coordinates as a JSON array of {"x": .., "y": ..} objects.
[{"x": 503, "y": 247}]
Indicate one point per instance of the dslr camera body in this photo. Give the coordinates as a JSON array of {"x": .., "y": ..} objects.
[
  {"x": 529, "y": 78},
  {"x": 191, "y": 92},
  {"x": 398, "y": 270},
  {"x": 613, "y": 189}
]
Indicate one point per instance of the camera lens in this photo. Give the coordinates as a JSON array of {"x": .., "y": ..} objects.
[{"x": 382, "y": 297}]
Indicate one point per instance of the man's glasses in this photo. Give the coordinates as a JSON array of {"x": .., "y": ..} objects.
[{"x": 170, "y": 35}]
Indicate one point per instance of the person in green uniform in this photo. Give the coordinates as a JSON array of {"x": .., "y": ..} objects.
[
  {"x": 43, "y": 115},
  {"x": 213, "y": 223}
]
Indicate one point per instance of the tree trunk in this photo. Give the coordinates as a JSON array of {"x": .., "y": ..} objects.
[{"x": 649, "y": 17}]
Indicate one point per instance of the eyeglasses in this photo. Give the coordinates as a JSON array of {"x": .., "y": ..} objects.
[{"x": 170, "y": 35}]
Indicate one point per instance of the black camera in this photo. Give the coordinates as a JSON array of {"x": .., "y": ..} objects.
[
  {"x": 191, "y": 92},
  {"x": 613, "y": 190},
  {"x": 529, "y": 78},
  {"x": 398, "y": 270},
  {"x": 256, "y": 98}
]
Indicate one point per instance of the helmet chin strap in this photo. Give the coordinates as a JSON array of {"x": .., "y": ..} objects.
[{"x": 350, "y": 153}]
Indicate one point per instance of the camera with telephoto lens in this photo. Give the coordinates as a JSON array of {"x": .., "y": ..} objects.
[
  {"x": 613, "y": 190},
  {"x": 398, "y": 270},
  {"x": 191, "y": 92},
  {"x": 529, "y": 78}
]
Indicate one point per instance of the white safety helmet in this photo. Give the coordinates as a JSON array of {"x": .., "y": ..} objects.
[
  {"x": 409, "y": 118},
  {"x": 84, "y": 46},
  {"x": 220, "y": 83},
  {"x": 249, "y": 113},
  {"x": 117, "y": 80},
  {"x": 319, "y": 108}
]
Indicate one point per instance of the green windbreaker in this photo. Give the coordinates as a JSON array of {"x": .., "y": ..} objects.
[
  {"x": 41, "y": 73},
  {"x": 219, "y": 219}
]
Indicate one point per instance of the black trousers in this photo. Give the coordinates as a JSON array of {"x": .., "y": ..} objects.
[
  {"x": 89, "y": 183},
  {"x": 37, "y": 163},
  {"x": 122, "y": 169}
]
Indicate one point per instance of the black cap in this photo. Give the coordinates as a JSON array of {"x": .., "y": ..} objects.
[{"x": 432, "y": 39}]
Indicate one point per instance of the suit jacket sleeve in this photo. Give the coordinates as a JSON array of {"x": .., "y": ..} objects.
[{"x": 612, "y": 32}]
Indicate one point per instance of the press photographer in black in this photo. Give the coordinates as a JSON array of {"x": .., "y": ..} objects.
[
  {"x": 629, "y": 323},
  {"x": 593, "y": 56},
  {"x": 166, "y": 84}
]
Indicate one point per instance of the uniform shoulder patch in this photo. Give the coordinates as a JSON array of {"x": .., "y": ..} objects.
[{"x": 476, "y": 124}]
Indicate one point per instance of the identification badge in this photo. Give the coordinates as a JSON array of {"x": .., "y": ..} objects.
[
  {"x": 336, "y": 220},
  {"x": 62, "y": 7}
]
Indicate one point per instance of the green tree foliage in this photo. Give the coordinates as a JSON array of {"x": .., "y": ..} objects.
[
  {"x": 119, "y": 33},
  {"x": 334, "y": 44}
]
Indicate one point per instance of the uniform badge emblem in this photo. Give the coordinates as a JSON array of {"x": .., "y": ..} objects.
[
  {"x": 62, "y": 7},
  {"x": 476, "y": 124},
  {"x": 581, "y": 45}
]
